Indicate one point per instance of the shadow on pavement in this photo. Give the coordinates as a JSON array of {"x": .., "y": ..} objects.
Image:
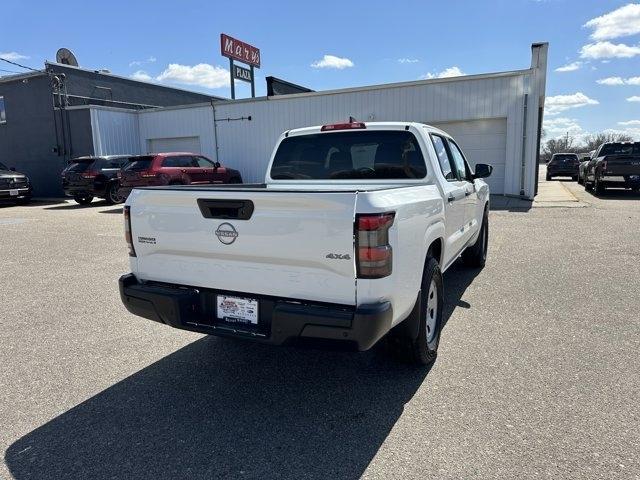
[
  {"x": 77, "y": 206},
  {"x": 112, "y": 210},
  {"x": 224, "y": 409},
  {"x": 616, "y": 194},
  {"x": 218, "y": 408},
  {"x": 510, "y": 204}
]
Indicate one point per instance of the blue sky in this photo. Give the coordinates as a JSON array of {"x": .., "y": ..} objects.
[{"x": 374, "y": 42}]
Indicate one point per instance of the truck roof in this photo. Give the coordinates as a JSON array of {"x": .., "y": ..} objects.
[{"x": 367, "y": 126}]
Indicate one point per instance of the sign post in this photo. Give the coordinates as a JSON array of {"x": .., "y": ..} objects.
[{"x": 243, "y": 52}]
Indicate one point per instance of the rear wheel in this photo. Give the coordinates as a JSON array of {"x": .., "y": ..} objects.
[
  {"x": 83, "y": 199},
  {"x": 548, "y": 177},
  {"x": 580, "y": 179},
  {"x": 423, "y": 348},
  {"x": 112, "y": 194},
  {"x": 574, "y": 178},
  {"x": 476, "y": 255}
]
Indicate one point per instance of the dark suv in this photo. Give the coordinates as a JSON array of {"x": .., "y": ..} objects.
[
  {"x": 563, "y": 165},
  {"x": 88, "y": 177},
  {"x": 176, "y": 168},
  {"x": 14, "y": 186}
]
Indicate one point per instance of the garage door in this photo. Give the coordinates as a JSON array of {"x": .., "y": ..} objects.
[
  {"x": 177, "y": 144},
  {"x": 482, "y": 141}
]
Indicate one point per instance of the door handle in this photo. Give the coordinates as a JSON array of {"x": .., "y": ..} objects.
[{"x": 183, "y": 171}]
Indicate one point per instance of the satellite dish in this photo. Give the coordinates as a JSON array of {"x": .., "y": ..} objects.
[{"x": 66, "y": 57}]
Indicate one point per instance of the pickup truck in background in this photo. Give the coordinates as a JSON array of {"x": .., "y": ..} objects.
[
  {"x": 615, "y": 164},
  {"x": 345, "y": 241}
]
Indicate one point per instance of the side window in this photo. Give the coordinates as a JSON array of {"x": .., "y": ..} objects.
[
  {"x": 203, "y": 162},
  {"x": 443, "y": 158},
  {"x": 458, "y": 160},
  {"x": 179, "y": 162}
]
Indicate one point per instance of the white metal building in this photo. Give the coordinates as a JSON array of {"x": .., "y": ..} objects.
[{"x": 496, "y": 118}]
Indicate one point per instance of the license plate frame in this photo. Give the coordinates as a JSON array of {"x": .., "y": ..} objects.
[
  {"x": 14, "y": 192},
  {"x": 242, "y": 312}
]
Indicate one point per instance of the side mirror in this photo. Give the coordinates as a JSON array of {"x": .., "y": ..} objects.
[
  {"x": 216, "y": 164},
  {"x": 13, "y": 169},
  {"x": 482, "y": 170}
]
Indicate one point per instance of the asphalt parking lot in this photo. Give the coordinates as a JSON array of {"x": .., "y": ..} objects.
[{"x": 537, "y": 376}]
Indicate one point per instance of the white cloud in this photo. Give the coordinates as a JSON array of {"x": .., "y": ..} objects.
[
  {"x": 135, "y": 63},
  {"x": 609, "y": 50},
  {"x": 142, "y": 76},
  {"x": 331, "y": 61},
  {"x": 560, "y": 103},
  {"x": 408, "y": 60},
  {"x": 571, "y": 67},
  {"x": 202, "y": 74},
  {"x": 446, "y": 73},
  {"x": 630, "y": 123},
  {"x": 13, "y": 56},
  {"x": 621, "y": 22},
  {"x": 635, "y": 98},
  {"x": 557, "y": 127},
  {"x": 613, "y": 81}
]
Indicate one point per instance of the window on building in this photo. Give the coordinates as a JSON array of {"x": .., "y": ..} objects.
[{"x": 3, "y": 113}]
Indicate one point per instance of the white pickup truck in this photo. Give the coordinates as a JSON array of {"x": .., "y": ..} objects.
[{"x": 345, "y": 241}]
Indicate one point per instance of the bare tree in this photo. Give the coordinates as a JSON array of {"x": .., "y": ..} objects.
[
  {"x": 566, "y": 144},
  {"x": 592, "y": 142}
]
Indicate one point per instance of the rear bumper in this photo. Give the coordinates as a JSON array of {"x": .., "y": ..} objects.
[
  {"x": 565, "y": 172},
  {"x": 281, "y": 321},
  {"x": 84, "y": 191},
  {"x": 631, "y": 180}
]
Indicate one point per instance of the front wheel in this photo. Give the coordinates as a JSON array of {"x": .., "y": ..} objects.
[
  {"x": 83, "y": 200},
  {"x": 475, "y": 256}
]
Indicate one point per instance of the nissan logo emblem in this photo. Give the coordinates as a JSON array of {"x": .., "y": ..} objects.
[{"x": 226, "y": 233}]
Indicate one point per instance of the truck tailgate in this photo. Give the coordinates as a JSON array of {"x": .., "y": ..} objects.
[{"x": 195, "y": 238}]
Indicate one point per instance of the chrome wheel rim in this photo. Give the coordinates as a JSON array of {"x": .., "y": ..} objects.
[
  {"x": 115, "y": 196},
  {"x": 432, "y": 311}
]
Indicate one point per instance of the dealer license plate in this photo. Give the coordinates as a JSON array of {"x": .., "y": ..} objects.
[
  {"x": 242, "y": 311},
  {"x": 14, "y": 193}
]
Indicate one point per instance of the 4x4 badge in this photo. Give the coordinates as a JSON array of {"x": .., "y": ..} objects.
[
  {"x": 338, "y": 256},
  {"x": 226, "y": 233}
]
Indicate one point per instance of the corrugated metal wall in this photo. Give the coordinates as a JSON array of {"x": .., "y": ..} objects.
[
  {"x": 246, "y": 145},
  {"x": 193, "y": 121},
  {"x": 115, "y": 131}
]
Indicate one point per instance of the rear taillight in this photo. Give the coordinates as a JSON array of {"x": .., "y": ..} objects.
[
  {"x": 127, "y": 230},
  {"x": 90, "y": 174},
  {"x": 147, "y": 174},
  {"x": 374, "y": 254},
  {"x": 119, "y": 174}
]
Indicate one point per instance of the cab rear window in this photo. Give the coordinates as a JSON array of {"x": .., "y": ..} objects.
[
  {"x": 79, "y": 166},
  {"x": 365, "y": 155}
]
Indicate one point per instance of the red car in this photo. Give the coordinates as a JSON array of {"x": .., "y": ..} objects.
[{"x": 174, "y": 168}]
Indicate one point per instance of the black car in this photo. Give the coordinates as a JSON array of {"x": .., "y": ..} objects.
[
  {"x": 615, "y": 164},
  {"x": 563, "y": 165},
  {"x": 14, "y": 186},
  {"x": 89, "y": 177}
]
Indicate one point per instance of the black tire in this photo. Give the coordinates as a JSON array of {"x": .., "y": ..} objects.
[
  {"x": 598, "y": 187},
  {"x": 549, "y": 177},
  {"x": 83, "y": 200},
  {"x": 574, "y": 178},
  {"x": 113, "y": 196},
  {"x": 235, "y": 180},
  {"x": 423, "y": 349},
  {"x": 475, "y": 256},
  {"x": 588, "y": 186},
  {"x": 580, "y": 180},
  {"x": 23, "y": 201}
]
